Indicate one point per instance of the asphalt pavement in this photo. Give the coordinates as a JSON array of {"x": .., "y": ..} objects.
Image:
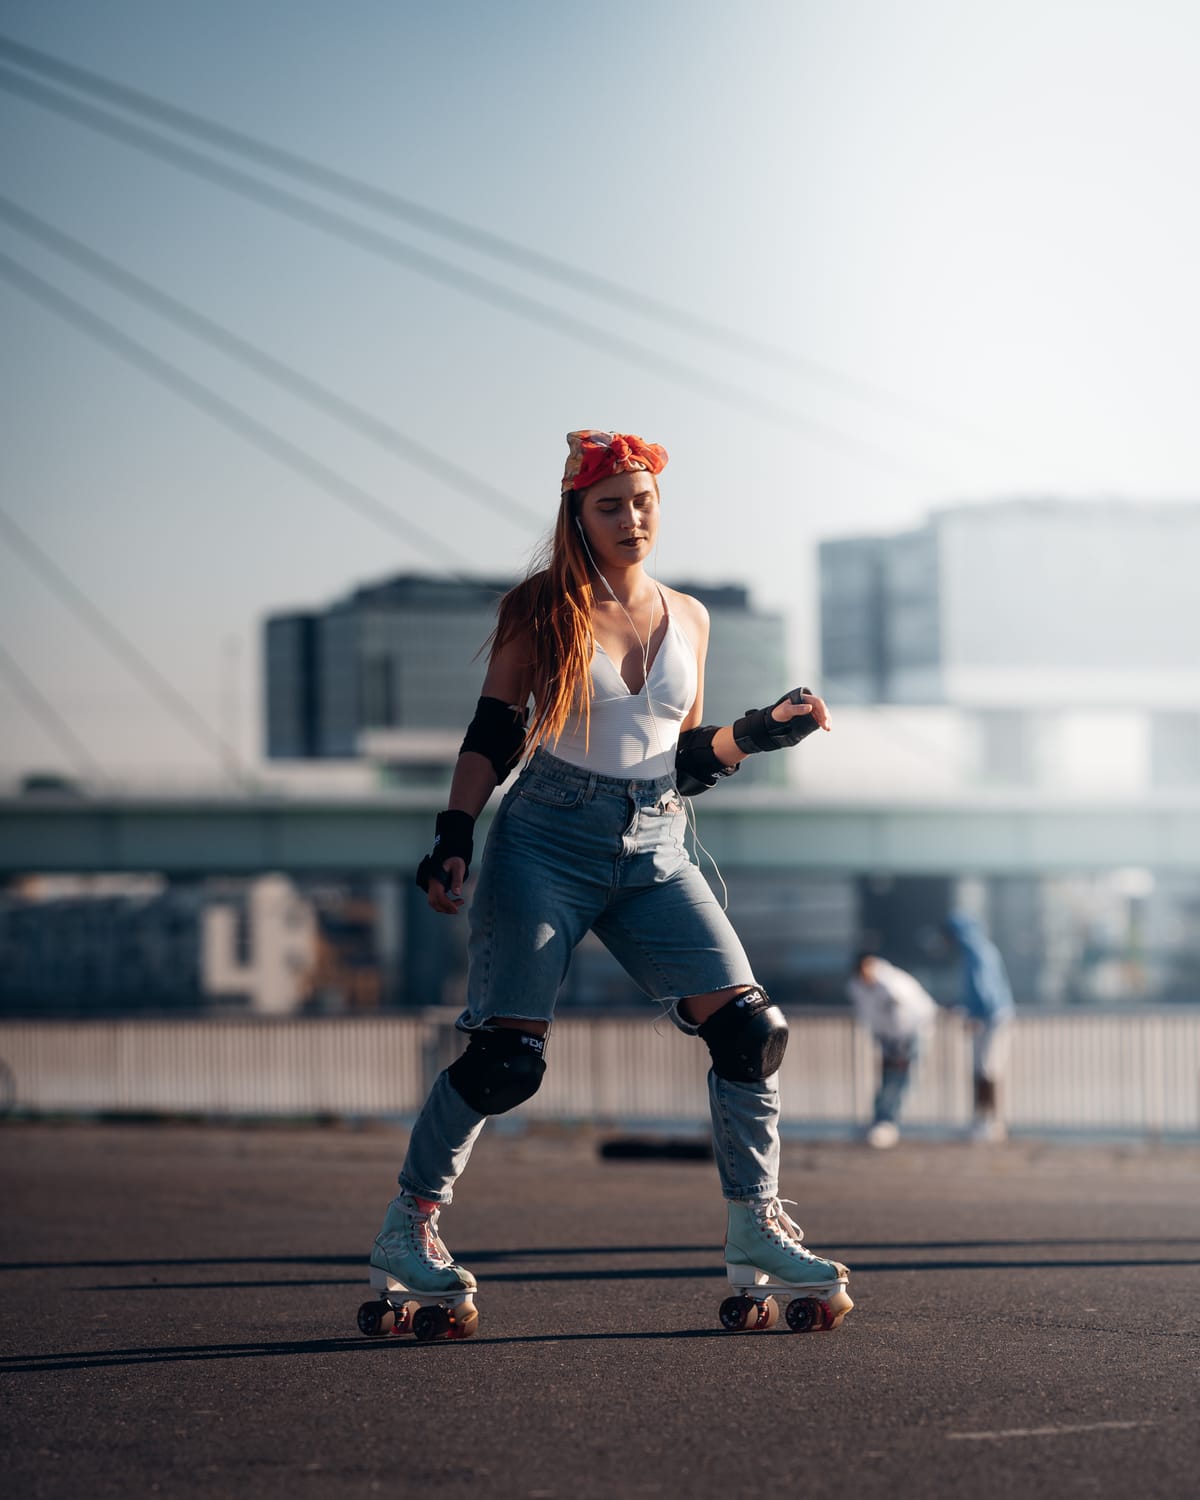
[{"x": 179, "y": 1301}]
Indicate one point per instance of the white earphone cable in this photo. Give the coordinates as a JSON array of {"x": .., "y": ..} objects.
[{"x": 689, "y": 811}]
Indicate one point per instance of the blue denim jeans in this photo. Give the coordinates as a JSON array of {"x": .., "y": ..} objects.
[
  {"x": 570, "y": 851},
  {"x": 898, "y": 1061}
]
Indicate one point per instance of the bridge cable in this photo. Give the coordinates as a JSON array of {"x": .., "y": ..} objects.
[
  {"x": 473, "y": 237},
  {"x": 55, "y": 725},
  {"x": 133, "y": 658},
  {"x": 276, "y": 370},
  {"x": 224, "y": 412},
  {"x": 593, "y": 336}
]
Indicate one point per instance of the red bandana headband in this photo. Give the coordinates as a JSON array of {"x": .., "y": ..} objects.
[{"x": 597, "y": 455}]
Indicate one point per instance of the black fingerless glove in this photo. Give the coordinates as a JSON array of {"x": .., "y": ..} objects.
[
  {"x": 452, "y": 840},
  {"x": 756, "y": 730}
]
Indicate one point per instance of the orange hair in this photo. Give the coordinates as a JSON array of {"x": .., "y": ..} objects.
[{"x": 552, "y": 610}]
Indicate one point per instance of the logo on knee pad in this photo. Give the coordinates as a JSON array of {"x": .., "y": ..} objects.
[{"x": 500, "y": 1069}]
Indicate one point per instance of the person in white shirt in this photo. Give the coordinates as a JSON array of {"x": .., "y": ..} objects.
[{"x": 899, "y": 1013}]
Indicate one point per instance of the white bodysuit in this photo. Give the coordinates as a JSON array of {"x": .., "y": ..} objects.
[{"x": 635, "y": 734}]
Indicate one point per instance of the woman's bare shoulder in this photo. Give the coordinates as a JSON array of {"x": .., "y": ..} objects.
[{"x": 689, "y": 612}]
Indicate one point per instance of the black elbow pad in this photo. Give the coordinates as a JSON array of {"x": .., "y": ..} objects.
[{"x": 497, "y": 732}]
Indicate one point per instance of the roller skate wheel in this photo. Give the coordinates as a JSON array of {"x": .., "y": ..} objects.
[
  {"x": 430, "y": 1323},
  {"x": 749, "y": 1314},
  {"x": 464, "y": 1320},
  {"x": 375, "y": 1318},
  {"x": 808, "y": 1315},
  {"x": 734, "y": 1311},
  {"x": 442, "y": 1322}
]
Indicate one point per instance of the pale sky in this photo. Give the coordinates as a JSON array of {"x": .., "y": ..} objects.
[{"x": 972, "y": 226}]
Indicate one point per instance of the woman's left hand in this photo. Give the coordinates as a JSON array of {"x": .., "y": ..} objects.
[{"x": 809, "y": 704}]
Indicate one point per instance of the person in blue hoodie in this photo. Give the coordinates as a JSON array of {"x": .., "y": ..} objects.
[{"x": 988, "y": 1001}]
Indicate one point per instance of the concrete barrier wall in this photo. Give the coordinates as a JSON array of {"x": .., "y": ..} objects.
[{"x": 1137, "y": 1073}]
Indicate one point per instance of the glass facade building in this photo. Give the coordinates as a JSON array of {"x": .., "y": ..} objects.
[
  {"x": 1045, "y": 602},
  {"x": 409, "y": 654}
]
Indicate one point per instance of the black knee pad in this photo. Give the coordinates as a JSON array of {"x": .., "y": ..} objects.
[
  {"x": 747, "y": 1038},
  {"x": 500, "y": 1069}
]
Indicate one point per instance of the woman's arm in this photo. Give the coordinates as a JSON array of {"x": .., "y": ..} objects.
[
  {"x": 724, "y": 746},
  {"x": 475, "y": 777}
]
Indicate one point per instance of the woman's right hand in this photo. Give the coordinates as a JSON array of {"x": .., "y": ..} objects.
[{"x": 448, "y": 899}]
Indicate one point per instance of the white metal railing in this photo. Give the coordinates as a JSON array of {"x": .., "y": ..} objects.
[{"x": 1137, "y": 1073}]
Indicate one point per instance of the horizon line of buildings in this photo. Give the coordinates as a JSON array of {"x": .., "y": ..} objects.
[
  {"x": 1032, "y": 645},
  {"x": 1028, "y": 643}
]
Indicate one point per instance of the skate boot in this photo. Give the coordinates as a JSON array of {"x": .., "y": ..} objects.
[
  {"x": 764, "y": 1254},
  {"x": 424, "y": 1291}
]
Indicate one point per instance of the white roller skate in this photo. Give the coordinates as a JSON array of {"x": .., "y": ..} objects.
[
  {"x": 764, "y": 1254},
  {"x": 424, "y": 1291}
]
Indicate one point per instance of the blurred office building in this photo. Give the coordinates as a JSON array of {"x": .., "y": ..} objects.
[
  {"x": 1062, "y": 635},
  {"x": 1005, "y": 656},
  {"x": 1042, "y": 651},
  {"x": 261, "y": 946},
  {"x": 100, "y": 945},
  {"x": 391, "y": 673}
]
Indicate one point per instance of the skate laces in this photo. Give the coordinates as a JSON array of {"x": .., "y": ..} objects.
[
  {"x": 424, "y": 1225},
  {"x": 779, "y": 1225}
]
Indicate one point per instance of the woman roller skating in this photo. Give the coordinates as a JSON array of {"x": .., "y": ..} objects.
[{"x": 590, "y": 836}]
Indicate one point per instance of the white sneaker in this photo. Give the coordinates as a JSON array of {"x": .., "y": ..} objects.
[
  {"x": 988, "y": 1132},
  {"x": 883, "y": 1135}
]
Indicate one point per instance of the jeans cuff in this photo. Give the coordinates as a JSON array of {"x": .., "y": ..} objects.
[
  {"x": 407, "y": 1185},
  {"x": 763, "y": 1193}
]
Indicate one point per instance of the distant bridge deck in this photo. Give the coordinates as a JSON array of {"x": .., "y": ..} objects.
[{"x": 766, "y": 829}]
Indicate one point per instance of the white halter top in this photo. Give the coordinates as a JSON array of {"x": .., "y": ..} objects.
[{"x": 634, "y": 735}]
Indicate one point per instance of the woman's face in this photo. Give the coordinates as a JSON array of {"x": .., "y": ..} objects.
[{"x": 620, "y": 518}]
